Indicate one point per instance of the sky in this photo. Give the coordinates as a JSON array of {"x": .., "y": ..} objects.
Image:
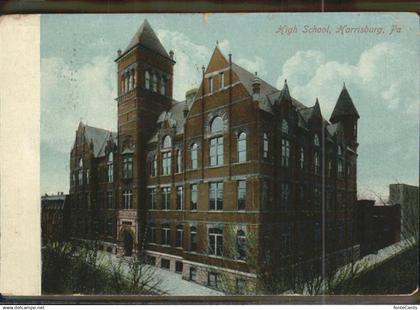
[{"x": 380, "y": 69}]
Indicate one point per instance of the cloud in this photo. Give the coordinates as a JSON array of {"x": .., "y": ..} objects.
[
  {"x": 255, "y": 64},
  {"x": 70, "y": 94},
  {"x": 379, "y": 72},
  {"x": 189, "y": 57},
  {"x": 384, "y": 88}
]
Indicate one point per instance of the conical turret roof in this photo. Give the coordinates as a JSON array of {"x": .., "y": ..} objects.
[
  {"x": 146, "y": 37},
  {"x": 316, "y": 110},
  {"x": 285, "y": 93},
  {"x": 344, "y": 106}
]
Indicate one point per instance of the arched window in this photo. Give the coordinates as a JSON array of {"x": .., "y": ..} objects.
[
  {"x": 216, "y": 144},
  {"x": 130, "y": 81},
  {"x": 316, "y": 140},
  {"x": 241, "y": 244},
  {"x": 242, "y": 147},
  {"x": 339, "y": 150},
  {"x": 110, "y": 167},
  {"x": 265, "y": 145},
  {"x": 147, "y": 80},
  {"x": 126, "y": 83},
  {"x": 216, "y": 125},
  {"x": 167, "y": 142},
  {"x": 162, "y": 85},
  {"x": 155, "y": 82},
  {"x": 284, "y": 126},
  {"x": 194, "y": 156},
  {"x": 81, "y": 163}
]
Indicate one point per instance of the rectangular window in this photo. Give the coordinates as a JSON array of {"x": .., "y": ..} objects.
[
  {"x": 241, "y": 195},
  {"x": 128, "y": 167},
  {"x": 166, "y": 163},
  {"x": 285, "y": 152},
  {"x": 266, "y": 194},
  {"x": 151, "y": 198},
  {"x": 214, "y": 280},
  {"x": 81, "y": 177},
  {"x": 193, "y": 274},
  {"x": 109, "y": 227},
  {"x": 179, "y": 198},
  {"x": 152, "y": 233},
  {"x": 166, "y": 198},
  {"x": 87, "y": 176},
  {"x": 110, "y": 173},
  {"x": 166, "y": 234},
  {"x": 110, "y": 200},
  {"x": 216, "y": 151},
  {"x": 216, "y": 196},
  {"x": 222, "y": 79},
  {"x": 179, "y": 266},
  {"x": 178, "y": 161},
  {"x": 240, "y": 286},
  {"x": 151, "y": 260},
  {"x": 215, "y": 241},
  {"x": 193, "y": 239},
  {"x": 210, "y": 85},
  {"x": 153, "y": 166},
  {"x": 179, "y": 235},
  {"x": 285, "y": 195},
  {"x": 194, "y": 196},
  {"x": 165, "y": 263},
  {"x": 127, "y": 197},
  {"x": 302, "y": 158}
]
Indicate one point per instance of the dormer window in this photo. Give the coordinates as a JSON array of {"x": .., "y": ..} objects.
[
  {"x": 316, "y": 140},
  {"x": 147, "y": 80},
  {"x": 210, "y": 81},
  {"x": 222, "y": 79},
  {"x": 284, "y": 126}
]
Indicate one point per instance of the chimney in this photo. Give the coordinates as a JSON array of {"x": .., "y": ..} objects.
[
  {"x": 256, "y": 85},
  {"x": 119, "y": 52},
  {"x": 171, "y": 54}
]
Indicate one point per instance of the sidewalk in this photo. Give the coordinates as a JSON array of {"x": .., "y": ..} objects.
[{"x": 171, "y": 283}]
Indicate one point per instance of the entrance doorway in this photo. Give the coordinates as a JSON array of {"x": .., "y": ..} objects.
[{"x": 128, "y": 244}]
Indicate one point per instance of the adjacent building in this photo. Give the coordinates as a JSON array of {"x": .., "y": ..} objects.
[
  {"x": 377, "y": 226},
  {"x": 407, "y": 196},
  {"x": 238, "y": 179},
  {"x": 54, "y": 210}
]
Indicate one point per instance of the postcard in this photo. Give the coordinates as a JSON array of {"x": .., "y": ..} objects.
[{"x": 225, "y": 155}]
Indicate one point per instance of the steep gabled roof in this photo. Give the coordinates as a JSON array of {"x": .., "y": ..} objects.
[
  {"x": 98, "y": 136},
  {"x": 145, "y": 36},
  {"x": 344, "y": 106},
  {"x": 247, "y": 79}
]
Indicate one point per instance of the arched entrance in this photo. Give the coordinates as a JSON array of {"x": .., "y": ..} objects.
[{"x": 128, "y": 244}]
